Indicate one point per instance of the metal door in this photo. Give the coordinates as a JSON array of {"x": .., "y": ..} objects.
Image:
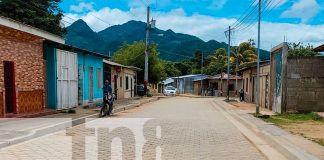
[
  {"x": 115, "y": 86},
  {"x": 9, "y": 83},
  {"x": 80, "y": 84},
  {"x": 278, "y": 83},
  {"x": 131, "y": 86},
  {"x": 67, "y": 79},
  {"x": 90, "y": 84},
  {"x": 267, "y": 104}
]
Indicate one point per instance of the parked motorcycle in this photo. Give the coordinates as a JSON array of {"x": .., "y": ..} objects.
[{"x": 107, "y": 106}]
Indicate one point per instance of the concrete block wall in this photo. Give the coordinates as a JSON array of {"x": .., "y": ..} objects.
[
  {"x": 26, "y": 51},
  {"x": 305, "y": 84}
]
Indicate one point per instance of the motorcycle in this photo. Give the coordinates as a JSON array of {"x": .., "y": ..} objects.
[{"x": 107, "y": 107}]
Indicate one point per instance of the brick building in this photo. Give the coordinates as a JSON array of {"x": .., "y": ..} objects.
[
  {"x": 22, "y": 69},
  {"x": 297, "y": 84}
]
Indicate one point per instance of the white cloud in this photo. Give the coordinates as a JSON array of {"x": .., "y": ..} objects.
[
  {"x": 303, "y": 9},
  {"x": 82, "y": 7},
  {"x": 205, "y": 27},
  {"x": 217, "y": 4}
]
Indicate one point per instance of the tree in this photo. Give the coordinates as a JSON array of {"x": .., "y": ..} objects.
[
  {"x": 170, "y": 69},
  {"x": 133, "y": 55},
  {"x": 185, "y": 67},
  {"x": 217, "y": 62},
  {"x": 243, "y": 53},
  {"x": 299, "y": 50},
  {"x": 42, "y": 14}
]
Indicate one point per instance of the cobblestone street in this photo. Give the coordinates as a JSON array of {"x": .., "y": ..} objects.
[{"x": 174, "y": 128}]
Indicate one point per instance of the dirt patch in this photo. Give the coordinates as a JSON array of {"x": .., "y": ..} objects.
[
  {"x": 250, "y": 107},
  {"x": 312, "y": 130},
  {"x": 308, "y": 125}
]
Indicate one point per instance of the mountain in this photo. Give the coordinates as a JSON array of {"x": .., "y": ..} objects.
[{"x": 172, "y": 46}]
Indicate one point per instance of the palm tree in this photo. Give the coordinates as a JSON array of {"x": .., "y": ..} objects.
[{"x": 243, "y": 53}]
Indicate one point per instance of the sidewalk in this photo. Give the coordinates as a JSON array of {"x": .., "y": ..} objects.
[
  {"x": 250, "y": 107},
  {"x": 287, "y": 144},
  {"x": 16, "y": 130}
]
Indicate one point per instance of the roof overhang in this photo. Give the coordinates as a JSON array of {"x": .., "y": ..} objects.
[
  {"x": 29, "y": 29},
  {"x": 112, "y": 63},
  {"x": 120, "y": 65},
  {"x": 319, "y": 48},
  {"x": 73, "y": 49}
]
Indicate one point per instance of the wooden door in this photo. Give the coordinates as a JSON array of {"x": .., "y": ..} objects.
[{"x": 10, "y": 90}]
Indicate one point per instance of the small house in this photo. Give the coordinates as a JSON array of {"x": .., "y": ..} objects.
[
  {"x": 217, "y": 85},
  {"x": 123, "y": 78},
  {"x": 22, "y": 68},
  {"x": 249, "y": 74},
  {"x": 74, "y": 75}
]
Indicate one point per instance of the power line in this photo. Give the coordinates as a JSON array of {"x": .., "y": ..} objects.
[
  {"x": 246, "y": 16},
  {"x": 243, "y": 13},
  {"x": 100, "y": 19},
  {"x": 247, "y": 27},
  {"x": 248, "y": 20}
]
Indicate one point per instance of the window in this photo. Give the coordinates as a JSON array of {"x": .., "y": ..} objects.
[
  {"x": 126, "y": 80},
  {"x": 120, "y": 82},
  {"x": 246, "y": 85},
  {"x": 99, "y": 78}
]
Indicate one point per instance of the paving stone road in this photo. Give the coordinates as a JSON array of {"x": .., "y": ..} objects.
[{"x": 172, "y": 128}]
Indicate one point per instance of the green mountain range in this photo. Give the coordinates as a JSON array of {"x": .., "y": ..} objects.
[{"x": 172, "y": 46}]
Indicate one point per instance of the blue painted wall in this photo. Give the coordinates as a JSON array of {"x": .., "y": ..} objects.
[
  {"x": 50, "y": 56},
  {"x": 86, "y": 61}
]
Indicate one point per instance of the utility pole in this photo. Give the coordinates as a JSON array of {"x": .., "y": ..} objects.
[
  {"x": 258, "y": 64},
  {"x": 236, "y": 74},
  {"x": 146, "y": 49},
  {"x": 228, "y": 61},
  {"x": 201, "y": 72}
]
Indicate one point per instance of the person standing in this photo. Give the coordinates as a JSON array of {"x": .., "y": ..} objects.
[{"x": 241, "y": 94}]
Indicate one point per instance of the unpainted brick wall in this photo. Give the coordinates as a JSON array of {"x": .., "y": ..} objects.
[
  {"x": 26, "y": 51},
  {"x": 305, "y": 84}
]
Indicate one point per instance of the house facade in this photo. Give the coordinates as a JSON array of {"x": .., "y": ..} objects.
[
  {"x": 248, "y": 71},
  {"x": 217, "y": 85},
  {"x": 74, "y": 76},
  {"x": 123, "y": 79},
  {"x": 22, "y": 68}
]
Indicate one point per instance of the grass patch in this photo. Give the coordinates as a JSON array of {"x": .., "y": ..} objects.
[
  {"x": 287, "y": 118},
  {"x": 319, "y": 141}
]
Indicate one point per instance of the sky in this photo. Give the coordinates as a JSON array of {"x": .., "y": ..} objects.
[{"x": 283, "y": 20}]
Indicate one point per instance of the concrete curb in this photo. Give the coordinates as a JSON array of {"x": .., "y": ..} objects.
[
  {"x": 286, "y": 148},
  {"x": 61, "y": 126},
  {"x": 194, "y": 96}
]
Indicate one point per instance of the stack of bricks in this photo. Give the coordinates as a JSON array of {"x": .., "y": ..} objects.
[
  {"x": 305, "y": 84},
  {"x": 26, "y": 51}
]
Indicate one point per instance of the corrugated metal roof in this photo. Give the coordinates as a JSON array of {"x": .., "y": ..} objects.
[
  {"x": 120, "y": 65},
  {"x": 186, "y": 76},
  {"x": 168, "y": 81},
  {"x": 112, "y": 63}
]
